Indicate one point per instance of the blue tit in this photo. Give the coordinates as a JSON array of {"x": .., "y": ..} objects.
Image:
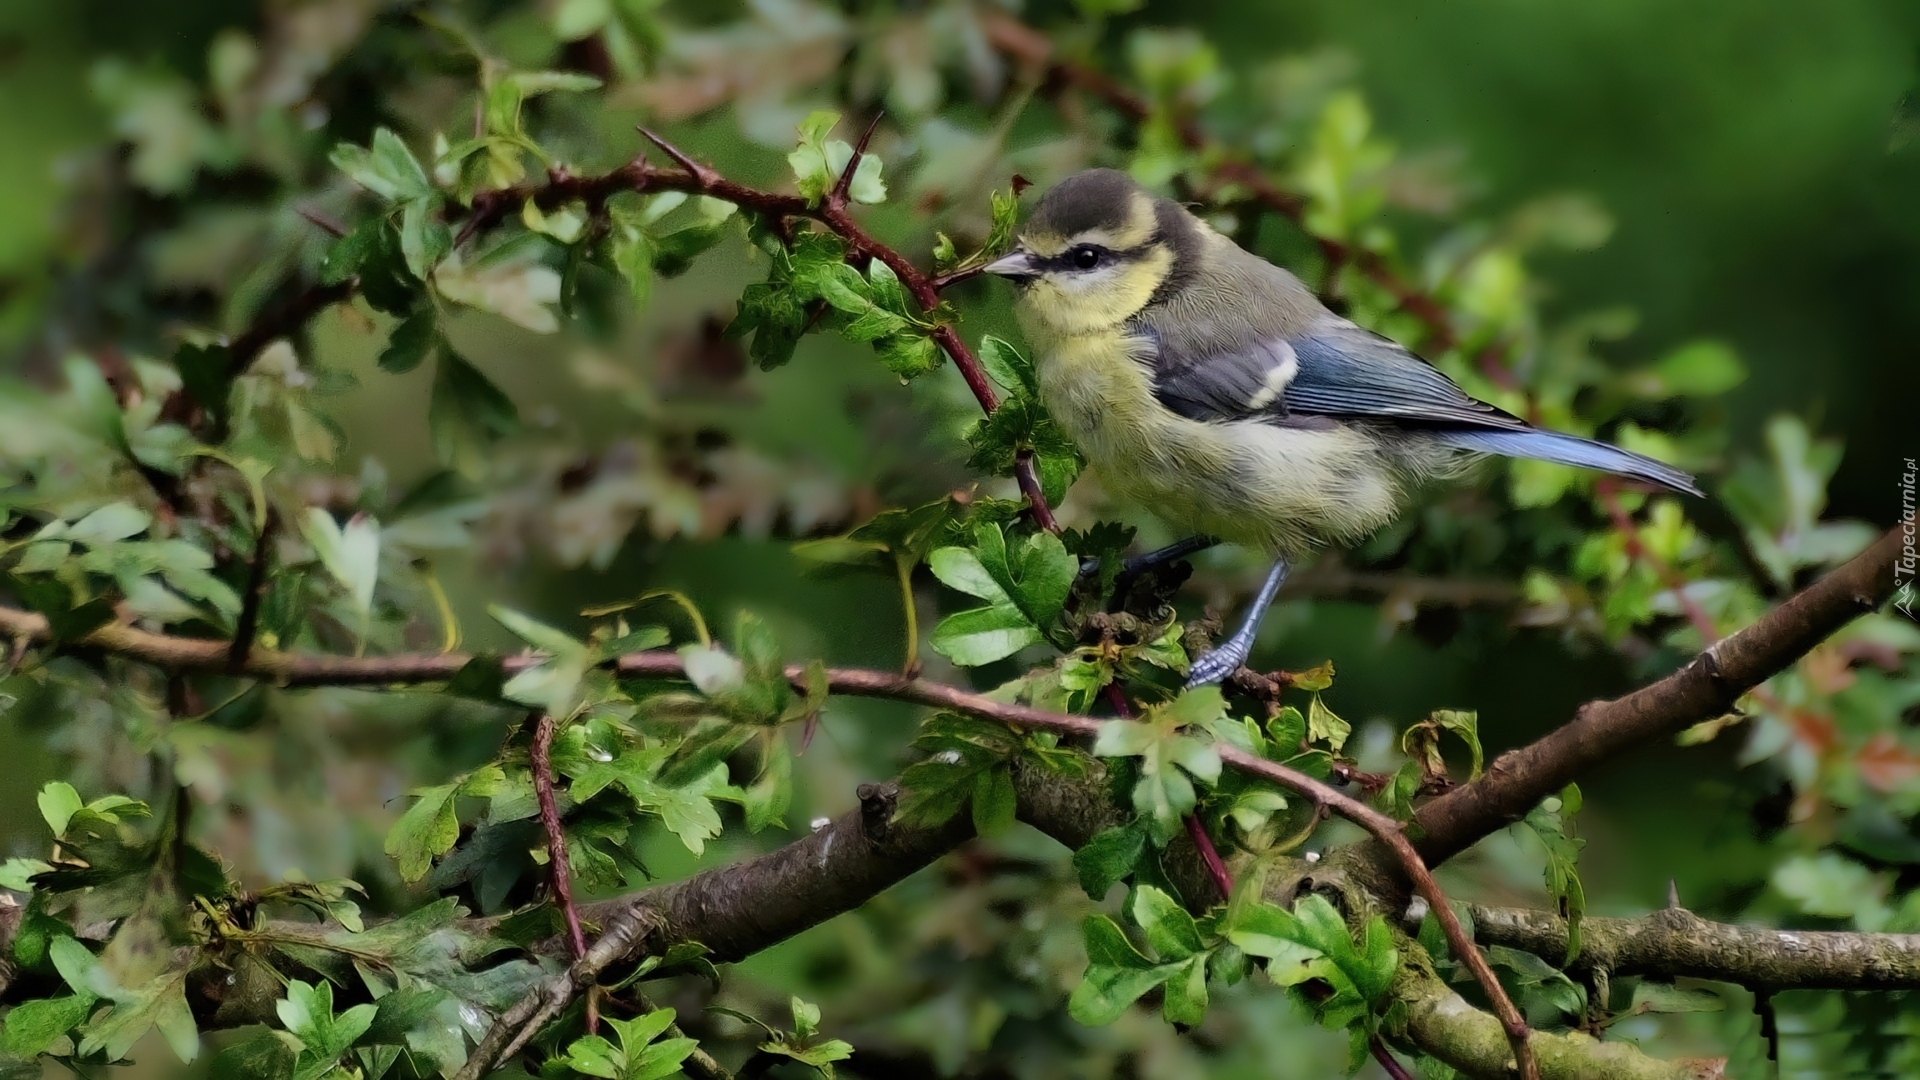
[{"x": 1213, "y": 388}]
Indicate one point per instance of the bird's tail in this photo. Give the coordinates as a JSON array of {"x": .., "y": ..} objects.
[{"x": 1571, "y": 450}]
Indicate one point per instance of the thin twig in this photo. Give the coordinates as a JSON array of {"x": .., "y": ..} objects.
[
  {"x": 1393, "y": 835},
  {"x": 541, "y": 763},
  {"x": 517, "y": 1025},
  {"x": 1386, "y": 1059},
  {"x": 322, "y": 220},
  {"x": 247, "y": 626},
  {"x": 844, "y": 183},
  {"x": 1209, "y": 855}
]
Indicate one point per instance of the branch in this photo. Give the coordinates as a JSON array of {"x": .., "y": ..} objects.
[
  {"x": 540, "y": 763},
  {"x": 1674, "y": 942},
  {"x": 1703, "y": 689},
  {"x": 188, "y": 654},
  {"x": 1444, "y": 1026},
  {"x": 693, "y": 177}
]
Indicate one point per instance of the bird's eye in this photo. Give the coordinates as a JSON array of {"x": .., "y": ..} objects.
[{"x": 1086, "y": 258}]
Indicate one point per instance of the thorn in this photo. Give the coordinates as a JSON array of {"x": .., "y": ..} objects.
[
  {"x": 1673, "y": 895},
  {"x": 838, "y": 196},
  {"x": 703, "y": 175},
  {"x": 322, "y": 220}
]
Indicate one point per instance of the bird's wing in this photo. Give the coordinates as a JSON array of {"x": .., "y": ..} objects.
[{"x": 1336, "y": 369}]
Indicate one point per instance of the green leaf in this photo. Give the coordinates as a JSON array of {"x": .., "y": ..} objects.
[
  {"x": 1006, "y": 366},
  {"x": 263, "y": 1055},
  {"x": 1552, "y": 822},
  {"x": 1324, "y": 726},
  {"x": 1698, "y": 369},
  {"x": 424, "y": 237},
  {"x": 1109, "y": 857},
  {"x": 58, "y": 803},
  {"x": 112, "y": 522},
  {"x": 595, "y": 1056},
  {"x": 960, "y": 752},
  {"x": 351, "y": 553},
  {"x": 1272, "y": 933},
  {"x": 467, "y": 411},
  {"x": 410, "y": 342},
  {"x": 33, "y": 1026},
  {"x": 1185, "y": 1003},
  {"x": 158, "y": 1003},
  {"x": 983, "y": 635},
  {"x": 346, "y": 254},
  {"x": 1169, "y": 929},
  {"x": 427, "y": 829},
  {"x": 388, "y": 168},
  {"x": 1117, "y": 975},
  {"x": 908, "y": 354},
  {"x": 993, "y": 801},
  {"x": 1164, "y": 793}
]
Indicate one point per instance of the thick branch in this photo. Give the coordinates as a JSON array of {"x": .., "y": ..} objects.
[
  {"x": 735, "y": 911},
  {"x": 1444, "y": 1026},
  {"x": 1706, "y": 688},
  {"x": 1674, "y": 942}
]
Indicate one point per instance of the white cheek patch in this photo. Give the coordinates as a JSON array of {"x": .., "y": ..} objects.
[
  {"x": 1277, "y": 378},
  {"x": 1082, "y": 282}
]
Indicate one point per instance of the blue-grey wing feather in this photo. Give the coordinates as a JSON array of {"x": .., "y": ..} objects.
[
  {"x": 1338, "y": 370},
  {"x": 1348, "y": 371}
]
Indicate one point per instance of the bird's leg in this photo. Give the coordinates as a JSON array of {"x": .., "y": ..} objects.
[
  {"x": 1225, "y": 659},
  {"x": 1158, "y": 557}
]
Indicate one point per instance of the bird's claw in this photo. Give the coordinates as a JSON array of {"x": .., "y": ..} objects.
[{"x": 1216, "y": 665}]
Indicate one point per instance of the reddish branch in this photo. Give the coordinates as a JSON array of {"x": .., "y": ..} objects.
[
  {"x": 540, "y": 762},
  {"x": 850, "y": 681}
]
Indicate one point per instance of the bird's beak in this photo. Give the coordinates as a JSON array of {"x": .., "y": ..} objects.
[{"x": 1019, "y": 266}]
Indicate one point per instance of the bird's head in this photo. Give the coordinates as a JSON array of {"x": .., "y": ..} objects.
[{"x": 1096, "y": 251}]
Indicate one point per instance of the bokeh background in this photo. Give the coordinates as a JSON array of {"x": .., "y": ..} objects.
[{"x": 1749, "y": 172}]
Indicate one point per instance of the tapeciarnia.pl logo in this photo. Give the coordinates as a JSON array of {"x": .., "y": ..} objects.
[{"x": 1906, "y": 565}]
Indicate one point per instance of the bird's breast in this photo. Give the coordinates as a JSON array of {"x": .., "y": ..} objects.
[{"x": 1283, "y": 488}]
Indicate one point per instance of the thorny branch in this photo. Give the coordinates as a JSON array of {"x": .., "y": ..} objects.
[
  {"x": 1703, "y": 689},
  {"x": 1674, "y": 942},
  {"x": 1512, "y": 785}
]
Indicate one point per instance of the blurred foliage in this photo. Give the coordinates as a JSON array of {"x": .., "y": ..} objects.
[{"x": 536, "y": 408}]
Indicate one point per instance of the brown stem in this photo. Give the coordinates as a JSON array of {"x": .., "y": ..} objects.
[
  {"x": 1387, "y": 1061},
  {"x": 1389, "y": 833},
  {"x": 844, "y": 183},
  {"x": 247, "y": 626},
  {"x": 540, "y": 760},
  {"x": 1209, "y": 855},
  {"x": 282, "y": 320},
  {"x": 1703, "y": 689}
]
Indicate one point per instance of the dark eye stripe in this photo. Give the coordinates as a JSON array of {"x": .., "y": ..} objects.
[{"x": 1064, "y": 260}]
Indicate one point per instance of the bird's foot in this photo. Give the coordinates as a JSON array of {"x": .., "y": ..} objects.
[{"x": 1216, "y": 665}]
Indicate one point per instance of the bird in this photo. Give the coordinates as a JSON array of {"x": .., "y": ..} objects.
[{"x": 1213, "y": 388}]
